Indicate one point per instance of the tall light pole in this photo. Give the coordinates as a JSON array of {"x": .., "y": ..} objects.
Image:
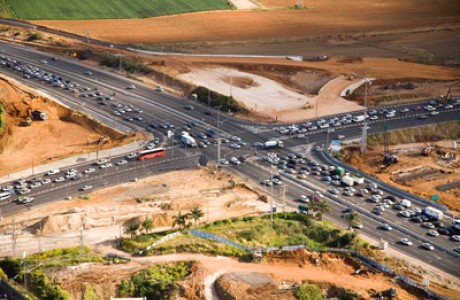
[
  {"x": 364, "y": 128},
  {"x": 219, "y": 137}
]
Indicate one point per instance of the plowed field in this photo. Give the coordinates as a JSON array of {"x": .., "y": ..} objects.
[{"x": 322, "y": 18}]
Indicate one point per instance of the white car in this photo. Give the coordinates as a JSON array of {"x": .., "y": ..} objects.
[
  {"x": 25, "y": 200},
  {"x": 52, "y": 172},
  {"x": 276, "y": 181},
  {"x": 131, "y": 87},
  {"x": 433, "y": 233},
  {"x": 46, "y": 181},
  {"x": 59, "y": 179},
  {"x": 7, "y": 188},
  {"x": 456, "y": 238},
  {"x": 386, "y": 227},
  {"x": 235, "y": 138},
  {"x": 404, "y": 110},
  {"x": 235, "y": 161},
  {"x": 35, "y": 184},
  {"x": 303, "y": 199},
  {"x": 86, "y": 187},
  {"x": 122, "y": 162},
  {"x": 107, "y": 165},
  {"x": 223, "y": 162},
  {"x": 131, "y": 155},
  {"x": 235, "y": 146},
  {"x": 427, "y": 246},
  {"x": 405, "y": 241},
  {"x": 89, "y": 170}
]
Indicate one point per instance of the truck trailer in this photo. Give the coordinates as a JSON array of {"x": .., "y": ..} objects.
[
  {"x": 433, "y": 213},
  {"x": 348, "y": 181},
  {"x": 187, "y": 140},
  {"x": 273, "y": 144}
]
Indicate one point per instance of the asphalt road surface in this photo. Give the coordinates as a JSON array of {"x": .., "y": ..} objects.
[{"x": 153, "y": 107}]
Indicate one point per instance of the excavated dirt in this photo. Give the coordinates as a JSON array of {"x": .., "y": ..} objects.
[
  {"x": 268, "y": 280},
  {"x": 411, "y": 162},
  {"x": 63, "y": 134},
  {"x": 163, "y": 196}
]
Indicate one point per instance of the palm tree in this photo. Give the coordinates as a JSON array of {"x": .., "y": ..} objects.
[
  {"x": 196, "y": 214},
  {"x": 353, "y": 218},
  {"x": 322, "y": 207},
  {"x": 147, "y": 224},
  {"x": 181, "y": 220},
  {"x": 132, "y": 229}
]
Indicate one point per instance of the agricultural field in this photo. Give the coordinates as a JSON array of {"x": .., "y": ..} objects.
[{"x": 99, "y": 9}]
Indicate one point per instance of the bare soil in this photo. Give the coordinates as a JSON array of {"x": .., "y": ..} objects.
[
  {"x": 291, "y": 268},
  {"x": 65, "y": 133},
  {"x": 412, "y": 162}
]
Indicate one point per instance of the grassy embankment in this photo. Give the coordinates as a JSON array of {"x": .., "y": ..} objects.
[
  {"x": 429, "y": 133},
  {"x": 34, "y": 266},
  {"x": 103, "y": 9},
  {"x": 288, "y": 229}
]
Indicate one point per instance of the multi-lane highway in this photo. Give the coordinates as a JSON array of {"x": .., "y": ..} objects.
[{"x": 133, "y": 106}]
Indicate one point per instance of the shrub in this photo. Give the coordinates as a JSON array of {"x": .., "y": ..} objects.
[
  {"x": 11, "y": 266},
  {"x": 308, "y": 292},
  {"x": 227, "y": 103},
  {"x": 155, "y": 282},
  {"x": 85, "y": 54},
  {"x": 34, "y": 37},
  {"x": 44, "y": 288},
  {"x": 126, "y": 64},
  {"x": 248, "y": 234}
]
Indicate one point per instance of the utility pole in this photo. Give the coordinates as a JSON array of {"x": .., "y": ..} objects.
[
  {"x": 231, "y": 86},
  {"x": 39, "y": 241},
  {"x": 283, "y": 196},
  {"x": 82, "y": 243},
  {"x": 14, "y": 237},
  {"x": 271, "y": 197}
]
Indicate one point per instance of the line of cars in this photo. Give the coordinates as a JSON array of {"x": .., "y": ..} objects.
[
  {"x": 372, "y": 194},
  {"x": 23, "y": 186}
]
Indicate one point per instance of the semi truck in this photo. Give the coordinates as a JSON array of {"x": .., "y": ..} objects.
[
  {"x": 273, "y": 144},
  {"x": 433, "y": 213},
  {"x": 187, "y": 139}
]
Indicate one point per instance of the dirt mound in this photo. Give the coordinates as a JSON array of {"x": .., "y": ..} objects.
[
  {"x": 63, "y": 134},
  {"x": 248, "y": 285},
  {"x": 336, "y": 263},
  {"x": 60, "y": 223}
]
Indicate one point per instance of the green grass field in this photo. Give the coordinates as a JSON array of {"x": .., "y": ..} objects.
[{"x": 103, "y": 9}]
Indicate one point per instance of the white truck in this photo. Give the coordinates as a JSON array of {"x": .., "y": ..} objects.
[
  {"x": 187, "y": 139},
  {"x": 433, "y": 213},
  {"x": 348, "y": 181},
  {"x": 358, "y": 179},
  {"x": 358, "y": 118},
  {"x": 273, "y": 144}
]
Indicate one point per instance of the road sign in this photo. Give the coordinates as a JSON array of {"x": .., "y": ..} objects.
[
  {"x": 335, "y": 146},
  {"x": 303, "y": 208},
  {"x": 435, "y": 197}
]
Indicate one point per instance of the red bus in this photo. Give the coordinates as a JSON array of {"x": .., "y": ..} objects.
[{"x": 147, "y": 154}]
